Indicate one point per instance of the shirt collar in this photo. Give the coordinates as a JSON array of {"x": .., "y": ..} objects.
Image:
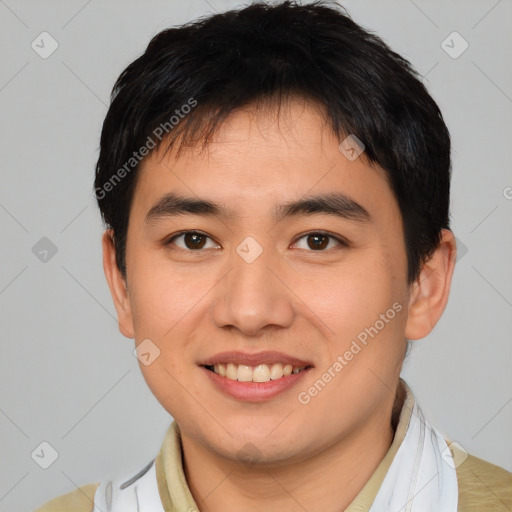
[{"x": 364, "y": 500}]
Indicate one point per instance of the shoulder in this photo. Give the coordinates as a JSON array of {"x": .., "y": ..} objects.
[
  {"x": 79, "y": 500},
  {"x": 483, "y": 486},
  {"x": 102, "y": 495}
]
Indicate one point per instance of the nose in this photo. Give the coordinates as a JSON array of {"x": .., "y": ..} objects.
[{"x": 254, "y": 296}]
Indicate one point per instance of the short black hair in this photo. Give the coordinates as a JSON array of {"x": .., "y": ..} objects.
[{"x": 190, "y": 78}]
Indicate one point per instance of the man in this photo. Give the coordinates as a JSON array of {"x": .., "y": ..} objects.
[{"x": 275, "y": 186}]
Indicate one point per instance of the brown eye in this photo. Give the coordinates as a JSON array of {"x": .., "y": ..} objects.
[
  {"x": 192, "y": 240},
  {"x": 319, "y": 242}
]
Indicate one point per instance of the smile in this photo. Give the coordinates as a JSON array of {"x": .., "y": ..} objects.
[{"x": 259, "y": 373}]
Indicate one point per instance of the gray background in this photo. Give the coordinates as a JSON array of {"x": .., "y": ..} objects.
[{"x": 69, "y": 378}]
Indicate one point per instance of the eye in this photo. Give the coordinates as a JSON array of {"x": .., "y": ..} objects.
[
  {"x": 192, "y": 240},
  {"x": 319, "y": 241}
]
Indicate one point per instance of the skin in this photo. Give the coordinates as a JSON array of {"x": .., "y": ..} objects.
[{"x": 295, "y": 299}]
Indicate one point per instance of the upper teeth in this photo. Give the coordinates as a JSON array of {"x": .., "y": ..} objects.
[{"x": 260, "y": 373}]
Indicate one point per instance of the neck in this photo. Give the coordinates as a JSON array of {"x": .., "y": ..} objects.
[{"x": 328, "y": 481}]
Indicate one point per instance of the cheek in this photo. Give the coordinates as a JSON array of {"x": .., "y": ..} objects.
[
  {"x": 162, "y": 297},
  {"x": 166, "y": 380},
  {"x": 353, "y": 297},
  {"x": 364, "y": 308}
]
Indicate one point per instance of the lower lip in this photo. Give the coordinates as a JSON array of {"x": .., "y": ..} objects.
[{"x": 255, "y": 391}]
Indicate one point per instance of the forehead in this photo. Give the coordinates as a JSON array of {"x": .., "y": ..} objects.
[{"x": 258, "y": 156}]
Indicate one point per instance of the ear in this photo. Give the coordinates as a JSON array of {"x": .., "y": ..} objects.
[
  {"x": 429, "y": 293},
  {"x": 117, "y": 284}
]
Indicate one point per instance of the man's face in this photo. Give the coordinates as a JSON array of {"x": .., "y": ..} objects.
[{"x": 255, "y": 285}]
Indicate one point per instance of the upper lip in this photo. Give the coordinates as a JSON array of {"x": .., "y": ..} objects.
[{"x": 254, "y": 359}]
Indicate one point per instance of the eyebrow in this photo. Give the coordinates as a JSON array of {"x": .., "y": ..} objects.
[{"x": 337, "y": 204}]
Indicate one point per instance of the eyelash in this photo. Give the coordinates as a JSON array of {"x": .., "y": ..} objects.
[{"x": 342, "y": 242}]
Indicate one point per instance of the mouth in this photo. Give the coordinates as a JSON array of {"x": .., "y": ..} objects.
[
  {"x": 255, "y": 377},
  {"x": 261, "y": 373}
]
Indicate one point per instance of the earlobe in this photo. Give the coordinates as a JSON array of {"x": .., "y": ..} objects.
[
  {"x": 117, "y": 284},
  {"x": 429, "y": 293}
]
